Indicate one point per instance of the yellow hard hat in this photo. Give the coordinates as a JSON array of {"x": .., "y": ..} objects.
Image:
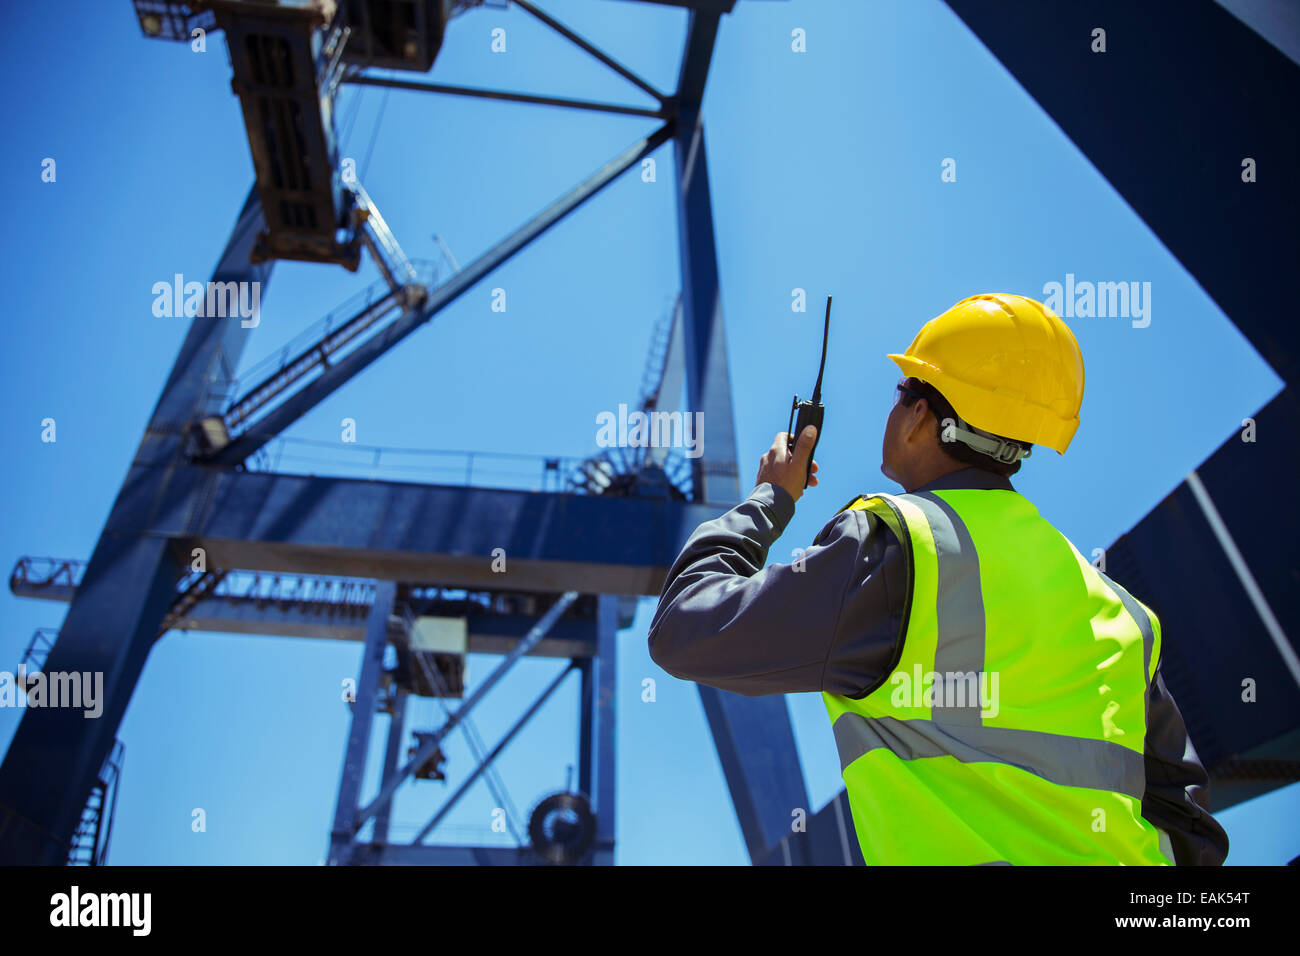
[{"x": 1008, "y": 364}]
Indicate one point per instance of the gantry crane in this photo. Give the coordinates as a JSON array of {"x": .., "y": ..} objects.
[{"x": 419, "y": 554}]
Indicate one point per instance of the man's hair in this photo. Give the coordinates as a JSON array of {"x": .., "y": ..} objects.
[{"x": 957, "y": 450}]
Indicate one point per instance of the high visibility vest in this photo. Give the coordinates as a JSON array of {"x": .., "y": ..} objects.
[{"x": 1011, "y": 728}]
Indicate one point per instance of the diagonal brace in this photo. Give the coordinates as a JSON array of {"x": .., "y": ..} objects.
[
  {"x": 487, "y": 760},
  {"x": 599, "y": 54},
  {"x": 431, "y": 744}
]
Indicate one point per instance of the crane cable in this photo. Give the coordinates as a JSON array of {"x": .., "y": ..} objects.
[{"x": 374, "y": 134}]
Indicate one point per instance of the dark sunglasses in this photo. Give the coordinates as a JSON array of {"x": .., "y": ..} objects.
[{"x": 910, "y": 391}]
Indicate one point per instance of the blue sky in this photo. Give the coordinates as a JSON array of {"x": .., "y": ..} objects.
[{"x": 825, "y": 174}]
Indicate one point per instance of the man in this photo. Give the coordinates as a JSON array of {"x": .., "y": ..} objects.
[{"x": 994, "y": 697}]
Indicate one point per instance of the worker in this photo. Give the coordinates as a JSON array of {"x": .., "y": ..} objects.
[{"x": 994, "y": 697}]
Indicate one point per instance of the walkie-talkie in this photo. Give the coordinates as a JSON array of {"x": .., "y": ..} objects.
[{"x": 803, "y": 414}]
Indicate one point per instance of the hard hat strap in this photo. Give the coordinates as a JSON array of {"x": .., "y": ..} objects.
[{"x": 1005, "y": 451}]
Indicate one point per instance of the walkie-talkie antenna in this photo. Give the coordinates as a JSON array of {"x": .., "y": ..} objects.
[
  {"x": 803, "y": 414},
  {"x": 817, "y": 389}
]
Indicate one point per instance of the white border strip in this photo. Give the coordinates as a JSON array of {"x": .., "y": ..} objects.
[{"x": 1243, "y": 573}]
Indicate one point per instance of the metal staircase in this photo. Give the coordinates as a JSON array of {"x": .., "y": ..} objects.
[{"x": 90, "y": 840}]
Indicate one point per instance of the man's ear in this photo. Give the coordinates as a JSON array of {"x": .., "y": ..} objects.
[{"x": 920, "y": 414}]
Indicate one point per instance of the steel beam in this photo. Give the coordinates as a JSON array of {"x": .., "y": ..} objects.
[
  {"x": 270, "y": 617},
  {"x": 753, "y": 736},
  {"x": 605, "y": 707},
  {"x": 130, "y": 582},
  {"x": 437, "y": 534},
  {"x": 586, "y": 723},
  {"x": 363, "y": 718},
  {"x": 713, "y": 7},
  {"x": 708, "y": 381},
  {"x": 701, "y": 34},
  {"x": 423, "y": 86},
  {"x": 392, "y": 758}
]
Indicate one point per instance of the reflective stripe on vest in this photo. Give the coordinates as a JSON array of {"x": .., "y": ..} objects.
[{"x": 1014, "y": 720}]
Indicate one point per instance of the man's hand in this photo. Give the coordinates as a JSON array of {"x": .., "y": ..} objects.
[{"x": 780, "y": 467}]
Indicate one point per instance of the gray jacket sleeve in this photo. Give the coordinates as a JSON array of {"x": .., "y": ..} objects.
[
  {"x": 829, "y": 620},
  {"x": 1177, "y": 797}
]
